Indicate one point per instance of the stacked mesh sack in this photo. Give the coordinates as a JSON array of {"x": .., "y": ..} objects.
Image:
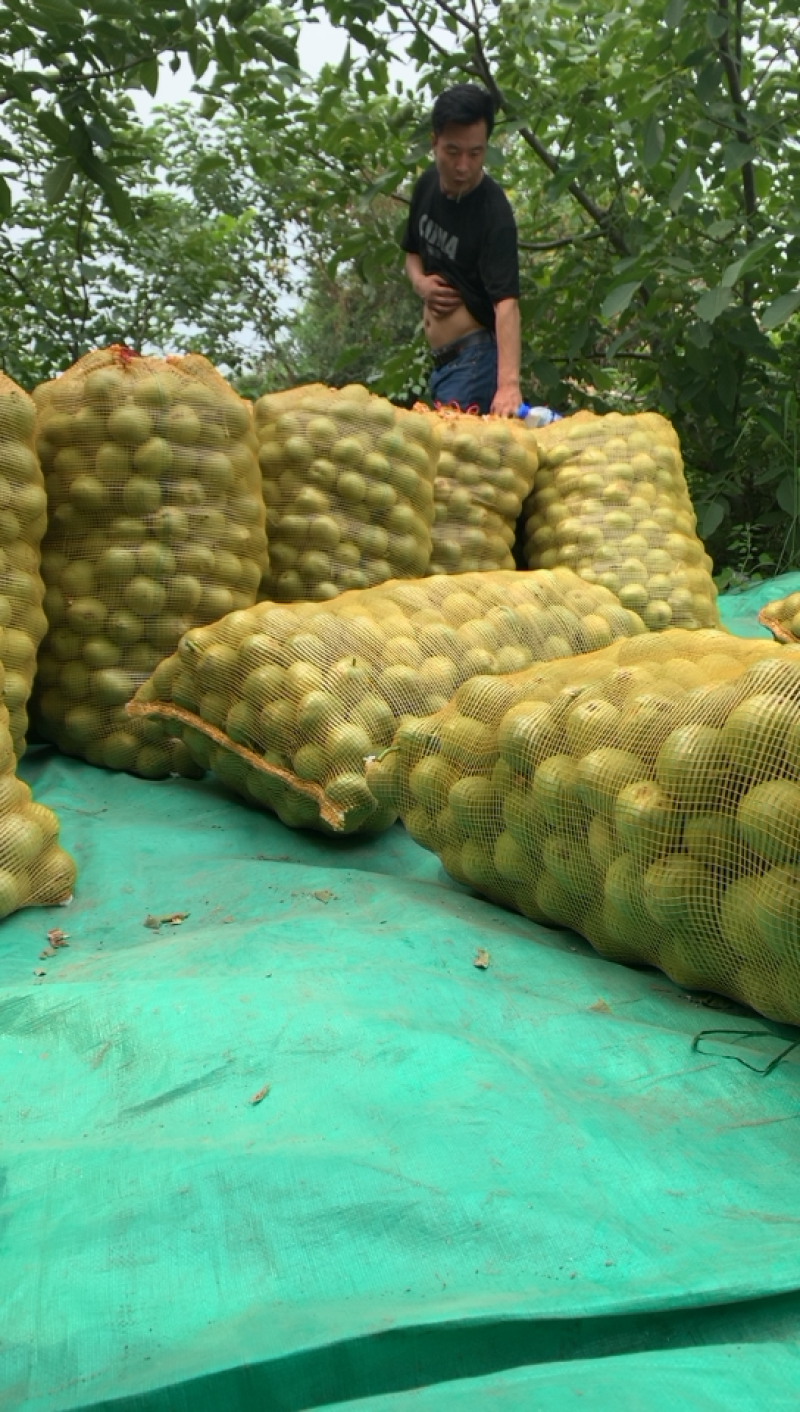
[
  {"x": 611, "y": 502},
  {"x": 348, "y": 483},
  {"x": 285, "y": 704},
  {"x": 23, "y": 520},
  {"x": 647, "y": 795},
  {"x": 485, "y": 473},
  {"x": 782, "y": 617},
  {"x": 35, "y": 871},
  {"x": 156, "y": 524}
]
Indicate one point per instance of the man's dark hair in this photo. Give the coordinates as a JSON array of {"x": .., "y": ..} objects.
[{"x": 464, "y": 103}]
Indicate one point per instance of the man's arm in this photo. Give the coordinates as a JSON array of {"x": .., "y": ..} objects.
[
  {"x": 440, "y": 297},
  {"x": 508, "y": 395}
]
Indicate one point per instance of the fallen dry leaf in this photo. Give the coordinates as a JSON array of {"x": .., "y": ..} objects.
[
  {"x": 324, "y": 894},
  {"x": 57, "y": 938},
  {"x": 482, "y": 959},
  {"x": 262, "y": 1093}
]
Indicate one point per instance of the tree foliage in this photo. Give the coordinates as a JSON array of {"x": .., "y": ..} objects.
[
  {"x": 69, "y": 68},
  {"x": 202, "y": 264}
]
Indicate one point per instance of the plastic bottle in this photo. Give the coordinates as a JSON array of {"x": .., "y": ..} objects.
[{"x": 537, "y": 416}]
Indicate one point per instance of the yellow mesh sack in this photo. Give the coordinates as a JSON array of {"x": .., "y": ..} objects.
[
  {"x": 156, "y": 525},
  {"x": 348, "y": 483},
  {"x": 782, "y": 617},
  {"x": 646, "y": 795},
  {"x": 23, "y": 520},
  {"x": 285, "y": 704},
  {"x": 485, "y": 473},
  {"x": 34, "y": 870},
  {"x": 610, "y": 501}
]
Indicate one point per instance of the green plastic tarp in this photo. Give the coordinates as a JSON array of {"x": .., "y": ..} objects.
[
  {"x": 739, "y": 611},
  {"x": 297, "y": 1151}
]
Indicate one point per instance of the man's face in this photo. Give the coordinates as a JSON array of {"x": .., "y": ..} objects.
[{"x": 458, "y": 152}]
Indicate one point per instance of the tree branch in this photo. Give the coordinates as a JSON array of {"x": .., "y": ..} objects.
[
  {"x": 731, "y": 66},
  {"x": 561, "y": 241}
]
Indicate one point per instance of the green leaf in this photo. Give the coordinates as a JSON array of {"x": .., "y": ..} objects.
[
  {"x": 788, "y": 495},
  {"x": 674, "y": 13},
  {"x": 735, "y": 154},
  {"x": 225, "y": 53},
  {"x": 699, "y": 334},
  {"x": 148, "y": 73},
  {"x": 5, "y": 197},
  {"x": 753, "y": 256},
  {"x": 680, "y": 187},
  {"x": 61, "y": 10},
  {"x": 780, "y": 310},
  {"x": 280, "y": 48},
  {"x": 53, "y": 127},
  {"x": 348, "y": 355},
  {"x": 618, "y": 299},
  {"x": 653, "y": 143},
  {"x": 58, "y": 180},
  {"x": 713, "y": 303},
  {"x": 716, "y": 25},
  {"x": 711, "y": 517},
  {"x": 719, "y": 229}
]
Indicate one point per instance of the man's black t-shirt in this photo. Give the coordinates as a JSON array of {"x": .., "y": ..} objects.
[{"x": 471, "y": 242}]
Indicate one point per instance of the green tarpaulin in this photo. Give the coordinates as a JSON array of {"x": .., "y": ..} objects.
[{"x": 297, "y": 1150}]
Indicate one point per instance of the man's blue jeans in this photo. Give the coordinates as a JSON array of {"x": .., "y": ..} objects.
[{"x": 470, "y": 379}]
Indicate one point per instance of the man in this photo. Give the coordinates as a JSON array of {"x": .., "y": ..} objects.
[{"x": 461, "y": 259}]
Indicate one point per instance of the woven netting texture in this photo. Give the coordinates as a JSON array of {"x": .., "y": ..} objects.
[
  {"x": 485, "y": 473},
  {"x": 34, "y": 870},
  {"x": 285, "y": 704},
  {"x": 782, "y": 617},
  {"x": 611, "y": 501},
  {"x": 156, "y": 524},
  {"x": 647, "y": 795},
  {"x": 23, "y": 520},
  {"x": 348, "y": 483}
]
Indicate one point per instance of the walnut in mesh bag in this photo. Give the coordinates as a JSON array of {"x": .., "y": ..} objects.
[
  {"x": 156, "y": 525},
  {"x": 285, "y": 703},
  {"x": 782, "y": 617},
  {"x": 34, "y": 870},
  {"x": 348, "y": 483},
  {"x": 611, "y": 502},
  {"x": 647, "y": 795},
  {"x": 485, "y": 472},
  {"x": 23, "y": 520}
]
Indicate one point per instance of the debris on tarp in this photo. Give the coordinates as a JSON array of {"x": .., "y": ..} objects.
[
  {"x": 262, "y": 1093},
  {"x": 482, "y": 959},
  {"x": 324, "y": 894},
  {"x": 172, "y": 919}
]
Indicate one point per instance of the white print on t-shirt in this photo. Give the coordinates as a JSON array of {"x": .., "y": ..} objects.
[{"x": 434, "y": 235}]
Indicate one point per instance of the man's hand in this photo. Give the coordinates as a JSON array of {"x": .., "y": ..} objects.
[
  {"x": 506, "y": 401},
  {"x": 437, "y": 295}
]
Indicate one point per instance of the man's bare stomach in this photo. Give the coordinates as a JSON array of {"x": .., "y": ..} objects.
[{"x": 448, "y": 327}]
